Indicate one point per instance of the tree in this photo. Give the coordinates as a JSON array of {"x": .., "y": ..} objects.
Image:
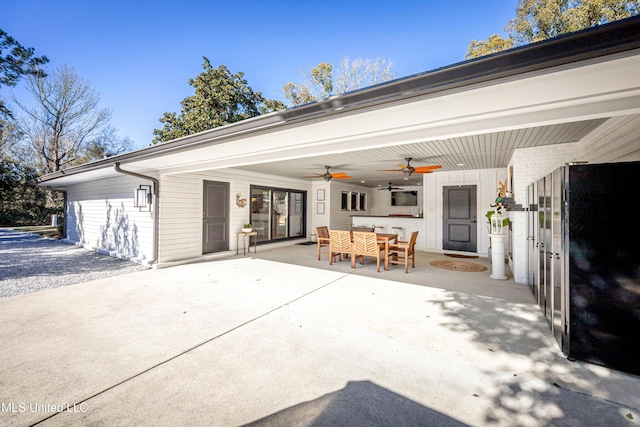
[
  {"x": 495, "y": 43},
  {"x": 10, "y": 136},
  {"x": 20, "y": 61},
  {"x": 538, "y": 20},
  {"x": 220, "y": 98},
  {"x": 106, "y": 144},
  {"x": 65, "y": 118},
  {"x": 20, "y": 202},
  {"x": 323, "y": 81}
]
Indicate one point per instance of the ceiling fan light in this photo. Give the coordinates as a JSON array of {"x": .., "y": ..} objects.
[
  {"x": 407, "y": 172},
  {"x": 327, "y": 177}
]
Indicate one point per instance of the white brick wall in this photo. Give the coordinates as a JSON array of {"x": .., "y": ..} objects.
[{"x": 529, "y": 165}]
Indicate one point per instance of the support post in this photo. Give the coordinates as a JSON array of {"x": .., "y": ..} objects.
[{"x": 497, "y": 257}]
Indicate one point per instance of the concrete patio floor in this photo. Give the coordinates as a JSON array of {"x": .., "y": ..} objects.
[{"x": 280, "y": 338}]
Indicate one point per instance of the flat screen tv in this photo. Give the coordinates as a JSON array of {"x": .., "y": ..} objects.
[{"x": 404, "y": 198}]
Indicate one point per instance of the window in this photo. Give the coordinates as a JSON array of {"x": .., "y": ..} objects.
[
  {"x": 354, "y": 201},
  {"x": 344, "y": 205},
  {"x": 363, "y": 202}
]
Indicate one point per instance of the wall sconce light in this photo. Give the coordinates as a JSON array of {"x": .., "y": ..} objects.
[
  {"x": 241, "y": 203},
  {"x": 142, "y": 198}
]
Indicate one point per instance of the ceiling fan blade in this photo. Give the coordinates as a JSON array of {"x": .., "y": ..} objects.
[
  {"x": 389, "y": 170},
  {"x": 421, "y": 169},
  {"x": 342, "y": 177},
  {"x": 338, "y": 174},
  {"x": 313, "y": 176}
]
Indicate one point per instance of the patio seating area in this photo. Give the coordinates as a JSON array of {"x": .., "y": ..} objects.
[{"x": 361, "y": 242}]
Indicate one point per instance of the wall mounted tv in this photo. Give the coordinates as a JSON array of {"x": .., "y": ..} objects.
[{"x": 404, "y": 198}]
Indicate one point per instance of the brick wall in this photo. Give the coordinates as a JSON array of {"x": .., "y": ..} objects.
[{"x": 529, "y": 165}]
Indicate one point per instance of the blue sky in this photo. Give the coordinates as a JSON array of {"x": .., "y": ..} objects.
[{"x": 139, "y": 55}]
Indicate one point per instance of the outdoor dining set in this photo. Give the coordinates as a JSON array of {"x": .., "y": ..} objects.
[{"x": 359, "y": 243}]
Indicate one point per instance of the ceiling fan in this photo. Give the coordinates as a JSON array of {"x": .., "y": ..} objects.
[
  {"x": 327, "y": 176},
  {"x": 390, "y": 187},
  {"x": 408, "y": 169}
]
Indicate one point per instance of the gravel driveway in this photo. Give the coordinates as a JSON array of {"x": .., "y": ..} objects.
[{"x": 29, "y": 263}]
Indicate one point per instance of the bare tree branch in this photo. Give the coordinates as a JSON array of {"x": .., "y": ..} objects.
[{"x": 65, "y": 117}]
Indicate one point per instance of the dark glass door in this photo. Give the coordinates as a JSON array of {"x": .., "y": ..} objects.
[
  {"x": 532, "y": 234},
  {"x": 542, "y": 262},
  {"x": 555, "y": 252},
  {"x": 296, "y": 218},
  {"x": 278, "y": 214}
]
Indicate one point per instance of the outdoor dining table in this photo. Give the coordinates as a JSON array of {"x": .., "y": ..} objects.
[{"x": 385, "y": 238}]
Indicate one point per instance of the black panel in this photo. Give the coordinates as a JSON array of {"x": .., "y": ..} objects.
[{"x": 604, "y": 264}]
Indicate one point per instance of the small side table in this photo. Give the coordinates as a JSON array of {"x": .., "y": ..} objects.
[{"x": 247, "y": 235}]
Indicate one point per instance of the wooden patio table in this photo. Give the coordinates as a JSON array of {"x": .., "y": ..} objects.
[{"x": 385, "y": 238}]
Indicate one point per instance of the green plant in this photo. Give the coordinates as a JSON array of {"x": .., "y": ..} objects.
[
  {"x": 497, "y": 209},
  {"x": 247, "y": 225}
]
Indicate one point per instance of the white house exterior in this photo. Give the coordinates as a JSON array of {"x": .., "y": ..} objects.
[{"x": 529, "y": 111}]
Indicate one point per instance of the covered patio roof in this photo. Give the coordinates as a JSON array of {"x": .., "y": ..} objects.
[{"x": 470, "y": 115}]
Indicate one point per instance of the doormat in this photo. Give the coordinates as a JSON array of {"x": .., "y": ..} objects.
[
  {"x": 306, "y": 243},
  {"x": 461, "y": 256},
  {"x": 465, "y": 266}
]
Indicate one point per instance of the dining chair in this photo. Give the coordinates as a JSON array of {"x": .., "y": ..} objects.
[
  {"x": 402, "y": 252},
  {"x": 365, "y": 243},
  {"x": 339, "y": 244},
  {"x": 323, "y": 237}
]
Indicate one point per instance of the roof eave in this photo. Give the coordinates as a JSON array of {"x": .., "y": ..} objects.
[{"x": 601, "y": 41}]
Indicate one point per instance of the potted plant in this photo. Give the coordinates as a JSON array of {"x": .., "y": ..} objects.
[
  {"x": 247, "y": 228},
  {"x": 496, "y": 225}
]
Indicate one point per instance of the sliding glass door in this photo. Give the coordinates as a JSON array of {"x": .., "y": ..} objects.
[{"x": 277, "y": 214}]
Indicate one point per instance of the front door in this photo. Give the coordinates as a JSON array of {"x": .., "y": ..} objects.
[
  {"x": 460, "y": 218},
  {"x": 215, "y": 221}
]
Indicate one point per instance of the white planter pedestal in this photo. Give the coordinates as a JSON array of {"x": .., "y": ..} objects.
[{"x": 497, "y": 257}]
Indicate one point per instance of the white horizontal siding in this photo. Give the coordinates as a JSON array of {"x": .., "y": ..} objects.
[
  {"x": 101, "y": 215},
  {"x": 339, "y": 219},
  {"x": 180, "y": 218},
  {"x": 486, "y": 181},
  {"x": 181, "y": 208}
]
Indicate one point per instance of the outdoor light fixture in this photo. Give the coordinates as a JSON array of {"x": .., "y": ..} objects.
[
  {"x": 241, "y": 203},
  {"x": 142, "y": 198}
]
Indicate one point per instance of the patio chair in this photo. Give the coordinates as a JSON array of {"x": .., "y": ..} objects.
[
  {"x": 323, "y": 240},
  {"x": 339, "y": 244},
  {"x": 401, "y": 252},
  {"x": 366, "y": 244}
]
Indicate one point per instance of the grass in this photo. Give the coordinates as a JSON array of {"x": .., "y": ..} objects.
[{"x": 42, "y": 230}]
